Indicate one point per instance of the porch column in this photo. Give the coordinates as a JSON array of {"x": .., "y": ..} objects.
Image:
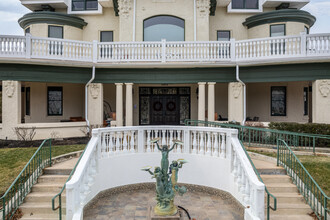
[
  {"x": 129, "y": 104},
  {"x": 119, "y": 104},
  {"x": 11, "y": 108},
  {"x": 210, "y": 101},
  {"x": 321, "y": 101},
  {"x": 201, "y": 101},
  {"x": 235, "y": 102},
  {"x": 95, "y": 104}
]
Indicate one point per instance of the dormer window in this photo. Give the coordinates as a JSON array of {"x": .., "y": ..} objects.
[
  {"x": 84, "y": 5},
  {"x": 245, "y": 4}
]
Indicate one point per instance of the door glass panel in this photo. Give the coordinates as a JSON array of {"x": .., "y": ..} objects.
[{"x": 145, "y": 110}]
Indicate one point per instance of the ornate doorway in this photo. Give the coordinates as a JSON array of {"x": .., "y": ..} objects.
[{"x": 164, "y": 105}]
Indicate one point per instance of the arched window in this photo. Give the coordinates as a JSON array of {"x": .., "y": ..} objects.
[{"x": 163, "y": 27}]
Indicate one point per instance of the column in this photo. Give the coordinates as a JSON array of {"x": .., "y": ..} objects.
[
  {"x": 125, "y": 8},
  {"x": 321, "y": 101},
  {"x": 119, "y": 104},
  {"x": 129, "y": 104},
  {"x": 201, "y": 101},
  {"x": 95, "y": 104},
  {"x": 235, "y": 102},
  {"x": 11, "y": 108},
  {"x": 211, "y": 101},
  {"x": 202, "y": 19}
]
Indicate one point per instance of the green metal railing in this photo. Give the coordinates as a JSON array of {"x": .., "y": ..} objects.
[
  {"x": 266, "y": 190},
  {"x": 59, "y": 195},
  {"x": 23, "y": 183},
  {"x": 264, "y": 137},
  {"x": 305, "y": 183}
]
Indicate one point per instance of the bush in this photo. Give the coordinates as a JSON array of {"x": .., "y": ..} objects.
[{"x": 310, "y": 128}]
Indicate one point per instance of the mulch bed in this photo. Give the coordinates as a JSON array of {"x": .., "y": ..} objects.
[{"x": 36, "y": 143}]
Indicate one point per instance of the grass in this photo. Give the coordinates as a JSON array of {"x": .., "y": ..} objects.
[
  {"x": 13, "y": 160},
  {"x": 318, "y": 166}
]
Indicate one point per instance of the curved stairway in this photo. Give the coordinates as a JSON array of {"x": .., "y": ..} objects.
[
  {"x": 38, "y": 203},
  {"x": 291, "y": 204}
]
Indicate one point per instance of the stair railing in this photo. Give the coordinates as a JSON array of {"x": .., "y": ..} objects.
[
  {"x": 265, "y": 137},
  {"x": 305, "y": 183},
  {"x": 23, "y": 183},
  {"x": 59, "y": 195}
]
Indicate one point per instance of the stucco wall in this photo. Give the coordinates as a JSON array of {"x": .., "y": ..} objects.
[
  {"x": 73, "y": 102},
  {"x": 259, "y": 102},
  {"x": 69, "y": 32}
]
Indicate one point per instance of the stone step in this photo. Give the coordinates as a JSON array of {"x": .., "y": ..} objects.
[
  {"x": 292, "y": 209},
  {"x": 32, "y": 208},
  {"x": 275, "y": 216},
  {"x": 35, "y": 216},
  {"x": 271, "y": 171},
  {"x": 275, "y": 179},
  {"x": 281, "y": 188},
  {"x": 57, "y": 171},
  {"x": 288, "y": 198},
  {"x": 53, "y": 178},
  {"x": 52, "y": 188},
  {"x": 36, "y": 197}
]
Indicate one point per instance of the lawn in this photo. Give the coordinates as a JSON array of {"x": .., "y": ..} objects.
[
  {"x": 13, "y": 160},
  {"x": 318, "y": 166}
]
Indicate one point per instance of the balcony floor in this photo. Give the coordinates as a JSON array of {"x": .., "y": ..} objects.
[{"x": 131, "y": 205}]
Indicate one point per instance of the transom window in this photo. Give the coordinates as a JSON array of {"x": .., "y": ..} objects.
[
  {"x": 163, "y": 27},
  {"x": 278, "y": 101},
  {"x": 223, "y": 35},
  {"x": 55, "y": 101},
  {"x": 82, "y": 5},
  {"x": 245, "y": 4}
]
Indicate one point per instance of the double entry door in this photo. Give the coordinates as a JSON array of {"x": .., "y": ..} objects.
[{"x": 164, "y": 105}]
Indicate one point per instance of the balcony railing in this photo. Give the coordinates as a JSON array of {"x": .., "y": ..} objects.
[{"x": 29, "y": 47}]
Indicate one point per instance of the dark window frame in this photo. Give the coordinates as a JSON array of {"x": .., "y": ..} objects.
[
  {"x": 307, "y": 29},
  {"x": 101, "y": 36},
  {"x": 305, "y": 99},
  {"x": 85, "y": 5},
  {"x": 273, "y": 46},
  {"x": 54, "y": 88},
  {"x": 244, "y": 5},
  {"x": 224, "y": 31},
  {"x": 271, "y": 100},
  {"x": 272, "y": 25},
  {"x": 28, "y": 101},
  {"x": 50, "y": 26}
]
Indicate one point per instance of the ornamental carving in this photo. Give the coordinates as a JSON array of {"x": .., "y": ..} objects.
[
  {"x": 324, "y": 87},
  {"x": 94, "y": 90},
  {"x": 236, "y": 87},
  {"x": 9, "y": 88},
  {"x": 203, "y": 7},
  {"x": 124, "y": 7}
]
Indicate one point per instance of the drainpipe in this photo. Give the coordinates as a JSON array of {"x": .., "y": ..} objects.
[
  {"x": 244, "y": 93},
  {"x": 86, "y": 98},
  {"x": 134, "y": 14},
  {"x": 195, "y": 24}
]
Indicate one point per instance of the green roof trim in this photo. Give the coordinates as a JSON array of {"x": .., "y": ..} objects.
[
  {"x": 283, "y": 15},
  {"x": 49, "y": 17}
]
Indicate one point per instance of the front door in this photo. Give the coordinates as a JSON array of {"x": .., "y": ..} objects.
[{"x": 164, "y": 106}]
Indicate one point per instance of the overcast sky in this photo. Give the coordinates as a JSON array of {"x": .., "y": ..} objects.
[{"x": 12, "y": 10}]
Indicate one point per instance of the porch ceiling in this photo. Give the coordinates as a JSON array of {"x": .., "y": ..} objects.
[{"x": 271, "y": 73}]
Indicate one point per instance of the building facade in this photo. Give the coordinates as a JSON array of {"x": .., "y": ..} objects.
[{"x": 159, "y": 62}]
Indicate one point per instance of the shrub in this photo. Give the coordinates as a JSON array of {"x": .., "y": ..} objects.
[{"x": 310, "y": 128}]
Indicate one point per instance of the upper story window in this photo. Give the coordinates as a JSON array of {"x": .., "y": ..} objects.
[
  {"x": 55, "y": 31},
  {"x": 277, "y": 30},
  {"x": 245, "y": 4},
  {"x": 223, "y": 35},
  {"x": 106, "y": 36},
  {"x": 83, "y": 5},
  {"x": 163, "y": 27}
]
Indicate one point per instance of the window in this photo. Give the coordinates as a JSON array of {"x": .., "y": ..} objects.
[
  {"x": 27, "y": 30},
  {"x": 106, "y": 36},
  {"x": 55, "y": 31},
  {"x": 223, "y": 35},
  {"x": 163, "y": 27},
  {"x": 27, "y": 101},
  {"x": 305, "y": 100},
  {"x": 83, "y": 5},
  {"x": 306, "y": 30},
  {"x": 277, "y": 30},
  {"x": 55, "y": 101},
  {"x": 245, "y": 4},
  {"x": 278, "y": 101},
  {"x": 55, "y": 47}
]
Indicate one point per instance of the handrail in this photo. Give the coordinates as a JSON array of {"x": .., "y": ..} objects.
[
  {"x": 308, "y": 187},
  {"x": 266, "y": 136},
  {"x": 23, "y": 183},
  {"x": 266, "y": 190},
  {"x": 59, "y": 195}
]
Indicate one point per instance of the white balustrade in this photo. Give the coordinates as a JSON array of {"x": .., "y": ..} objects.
[
  {"x": 12, "y": 46},
  {"x": 318, "y": 44}
]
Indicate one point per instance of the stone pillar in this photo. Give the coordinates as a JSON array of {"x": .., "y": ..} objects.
[
  {"x": 119, "y": 104},
  {"x": 201, "y": 101},
  {"x": 321, "y": 101},
  {"x": 95, "y": 104},
  {"x": 202, "y": 19},
  {"x": 211, "y": 101},
  {"x": 129, "y": 104},
  {"x": 235, "y": 102},
  {"x": 11, "y": 108},
  {"x": 125, "y": 8}
]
